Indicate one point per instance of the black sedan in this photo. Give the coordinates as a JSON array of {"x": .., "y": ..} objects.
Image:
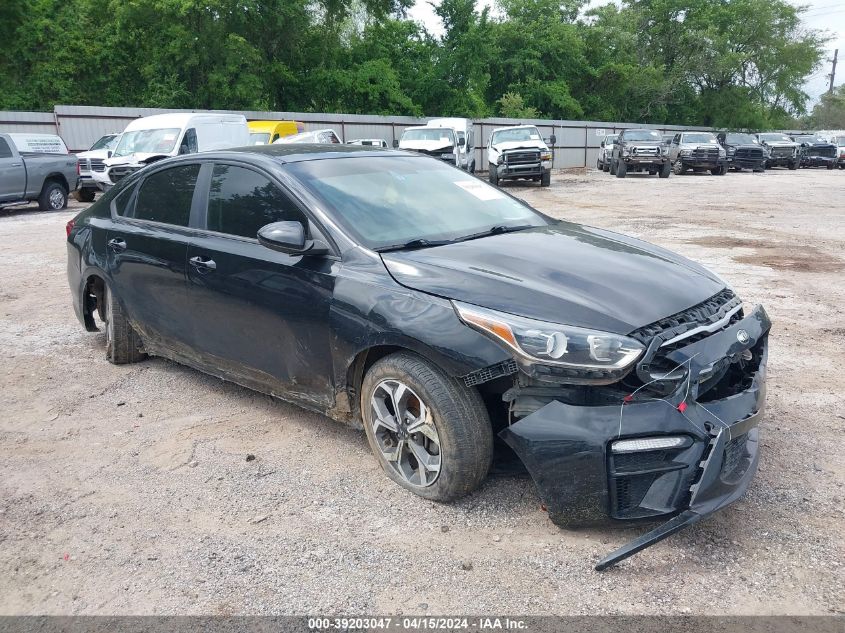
[{"x": 448, "y": 318}]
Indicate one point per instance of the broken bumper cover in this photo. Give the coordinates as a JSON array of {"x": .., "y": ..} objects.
[{"x": 568, "y": 448}]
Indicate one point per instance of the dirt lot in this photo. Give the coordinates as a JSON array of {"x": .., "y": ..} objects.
[{"x": 126, "y": 490}]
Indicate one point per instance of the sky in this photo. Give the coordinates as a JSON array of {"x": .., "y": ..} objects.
[{"x": 827, "y": 15}]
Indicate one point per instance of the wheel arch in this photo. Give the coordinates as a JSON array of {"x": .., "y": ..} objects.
[
  {"x": 93, "y": 291},
  {"x": 56, "y": 177}
]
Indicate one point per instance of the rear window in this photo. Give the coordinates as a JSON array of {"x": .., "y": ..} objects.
[{"x": 166, "y": 195}]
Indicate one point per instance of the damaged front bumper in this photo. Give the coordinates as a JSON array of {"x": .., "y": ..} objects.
[{"x": 568, "y": 448}]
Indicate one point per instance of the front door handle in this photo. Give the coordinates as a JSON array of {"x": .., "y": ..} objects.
[
  {"x": 117, "y": 245},
  {"x": 203, "y": 264}
]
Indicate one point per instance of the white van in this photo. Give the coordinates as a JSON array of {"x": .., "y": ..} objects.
[
  {"x": 152, "y": 138},
  {"x": 466, "y": 140}
]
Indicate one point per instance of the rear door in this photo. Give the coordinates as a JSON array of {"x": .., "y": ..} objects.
[
  {"x": 147, "y": 253},
  {"x": 262, "y": 316},
  {"x": 12, "y": 173}
]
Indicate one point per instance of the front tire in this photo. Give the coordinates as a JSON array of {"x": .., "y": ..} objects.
[
  {"x": 621, "y": 169},
  {"x": 793, "y": 165},
  {"x": 429, "y": 433},
  {"x": 53, "y": 197},
  {"x": 678, "y": 168},
  {"x": 123, "y": 345},
  {"x": 493, "y": 175},
  {"x": 546, "y": 179},
  {"x": 85, "y": 195},
  {"x": 666, "y": 169}
]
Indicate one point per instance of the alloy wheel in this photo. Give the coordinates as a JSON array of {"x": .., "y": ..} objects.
[
  {"x": 405, "y": 433},
  {"x": 57, "y": 199}
]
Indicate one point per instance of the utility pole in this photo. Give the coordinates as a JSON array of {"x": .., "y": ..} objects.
[{"x": 833, "y": 71}]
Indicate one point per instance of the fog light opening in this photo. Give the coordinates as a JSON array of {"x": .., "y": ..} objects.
[{"x": 649, "y": 444}]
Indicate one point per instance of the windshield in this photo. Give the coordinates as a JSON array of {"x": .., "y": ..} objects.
[
  {"x": 699, "y": 137},
  {"x": 444, "y": 135},
  {"x": 516, "y": 134},
  {"x": 740, "y": 139},
  {"x": 808, "y": 138},
  {"x": 106, "y": 142},
  {"x": 611, "y": 139},
  {"x": 157, "y": 141},
  {"x": 838, "y": 140},
  {"x": 774, "y": 137},
  {"x": 259, "y": 138},
  {"x": 643, "y": 135},
  {"x": 392, "y": 200}
]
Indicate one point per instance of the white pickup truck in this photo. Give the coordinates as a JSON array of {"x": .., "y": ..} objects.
[
  {"x": 519, "y": 152},
  {"x": 36, "y": 167}
]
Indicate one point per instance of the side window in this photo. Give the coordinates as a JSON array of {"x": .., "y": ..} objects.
[
  {"x": 241, "y": 201},
  {"x": 275, "y": 138},
  {"x": 121, "y": 201},
  {"x": 677, "y": 139},
  {"x": 189, "y": 142},
  {"x": 5, "y": 152},
  {"x": 166, "y": 195},
  {"x": 332, "y": 138}
]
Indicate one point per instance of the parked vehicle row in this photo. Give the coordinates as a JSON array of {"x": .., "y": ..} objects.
[{"x": 646, "y": 150}]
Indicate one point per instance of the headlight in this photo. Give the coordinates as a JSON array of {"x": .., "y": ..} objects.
[
  {"x": 500, "y": 160},
  {"x": 731, "y": 151},
  {"x": 626, "y": 151},
  {"x": 545, "y": 155},
  {"x": 686, "y": 152},
  {"x": 447, "y": 156},
  {"x": 721, "y": 152},
  {"x": 555, "y": 352}
]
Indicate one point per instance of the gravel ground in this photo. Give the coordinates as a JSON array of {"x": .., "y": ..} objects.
[{"x": 127, "y": 490}]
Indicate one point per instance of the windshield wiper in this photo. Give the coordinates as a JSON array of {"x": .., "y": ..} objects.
[
  {"x": 413, "y": 244},
  {"x": 495, "y": 230}
]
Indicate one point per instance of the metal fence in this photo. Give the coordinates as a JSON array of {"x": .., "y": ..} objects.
[{"x": 577, "y": 142}]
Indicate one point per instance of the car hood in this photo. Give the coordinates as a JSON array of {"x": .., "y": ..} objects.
[
  {"x": 507, "y": 145},
  {"x": 427, "y": 146},
  {"x": 564, "y": 273},
  {"x": 780, "y": 143},
  {"x": 95, "y": 153},
  {"x": 141, "y": 158}
]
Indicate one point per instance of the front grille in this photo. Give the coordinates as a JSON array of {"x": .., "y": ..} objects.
[
  {"x": 824, "y": 152},
  {"x": 486, "y": 374},
  {"x": 734, "y": 462},
  {"x": 646, "y": 151},
  {"x": 630, "y": 492},
  {"x": 781, "y": 151},
  {"x": 705, "y": 154},
  {"x": 97, "y": 164},
  {"x": 521, "y": 158},
  {"x": 121, "y": 171},
  {"x": 754, "y": 153},
  {"x": 705, "y": 313}
]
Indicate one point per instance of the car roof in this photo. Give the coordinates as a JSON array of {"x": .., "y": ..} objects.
[
  {"x": 181, "y": 119},
  {"x": 513, "y": 127},
  {"x": 297, "y": 152}
]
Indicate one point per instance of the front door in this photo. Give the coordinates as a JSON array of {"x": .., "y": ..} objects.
[
  {"x": 12, "y": 173},
  {"x": 146, "y": 251},
  {"x": 262, "y": 316}
]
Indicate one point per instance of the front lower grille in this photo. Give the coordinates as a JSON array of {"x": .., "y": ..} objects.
[
  {"x": 734, "y": 462},
  {"x": 822, "y": 152},
  {"x": 632, "y": 476},
  {"x": 121, "y": 171},
  {"x": 630, "y": 492},
  {"x": 521, "y": 158},
  {"x": 486, "y": 374}
]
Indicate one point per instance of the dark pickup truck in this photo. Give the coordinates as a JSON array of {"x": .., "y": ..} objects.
[
  {"x": 743, "y": 151},
  {"x": 47, "y": 173}
]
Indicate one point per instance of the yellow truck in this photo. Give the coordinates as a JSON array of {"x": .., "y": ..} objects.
[{"x": 266, "y": 132}]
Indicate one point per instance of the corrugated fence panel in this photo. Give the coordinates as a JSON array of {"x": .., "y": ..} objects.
[{"x": 576, "y": 143}]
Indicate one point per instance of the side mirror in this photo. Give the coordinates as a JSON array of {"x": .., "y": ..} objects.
[
  {"x": 553, "y": 139},
  {"x": 461, "y": 142},
  {"x": 395, "y": 143},
  {"x": 602, "y": 144},
  {"x": 108, "y": 154},
  {"x": 289, "y": 237}
]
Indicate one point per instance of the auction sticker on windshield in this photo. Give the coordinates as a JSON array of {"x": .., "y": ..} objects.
[{"x": 480, "y": 190}]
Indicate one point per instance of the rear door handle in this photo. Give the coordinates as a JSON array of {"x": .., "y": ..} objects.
[
  {"x": 117, "y": 245},
  {"x": 203, "y": 264}
]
